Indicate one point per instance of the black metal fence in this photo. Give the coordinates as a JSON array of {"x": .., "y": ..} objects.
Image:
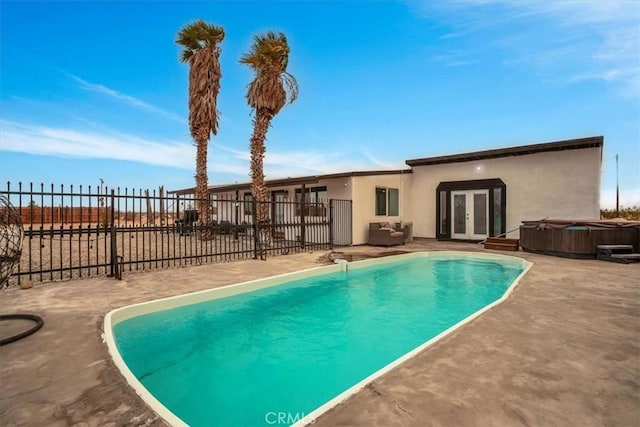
[{"x": 77, "y": 232}]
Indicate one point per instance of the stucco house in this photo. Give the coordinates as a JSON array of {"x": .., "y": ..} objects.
[
  {"x": 467, "y": 196},
  {"x": 474, "y": 195},
  {"x": 365, "y": 196}
]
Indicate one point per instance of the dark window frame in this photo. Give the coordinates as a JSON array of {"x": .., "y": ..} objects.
[
  {"x": 314, "y": 206},
  {"x": 387, "y": 201},
  {"x": 274, "y": 203},
  {"x": 479, "y": 184},
  {"x": 377, "y": 199},
  {"x": 247, "y": 203},
  {"x": 389, "y": 191}
]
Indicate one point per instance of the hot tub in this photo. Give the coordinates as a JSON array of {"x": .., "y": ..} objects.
[{"x": 577, "y": 238}]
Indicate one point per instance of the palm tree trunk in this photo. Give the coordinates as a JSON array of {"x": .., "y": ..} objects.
[
  {"x": 202, "y": 191},
  {"x": 258, "y": 187}
]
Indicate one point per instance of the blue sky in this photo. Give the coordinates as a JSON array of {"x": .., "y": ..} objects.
[{"x": 92, "y": 90}]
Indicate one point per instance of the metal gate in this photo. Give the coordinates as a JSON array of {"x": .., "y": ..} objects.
[{"x": 341, "y": 222}]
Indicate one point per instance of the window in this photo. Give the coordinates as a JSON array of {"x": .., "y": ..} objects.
[
  {"x": 213, "y": 204},
  {"x": 497, "y": 211},
  {"x": 394, "y": 201},
  {"x": 314, "y": 198},
  {"x": 248, "y": 203},
  {"x": 443, "y": 213},
  {"x": 381, "y": 201},
  {"x": 387, "y": 201},
  {"x": 312, "y": 195}
]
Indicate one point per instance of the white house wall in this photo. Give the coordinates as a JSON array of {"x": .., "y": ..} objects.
[
  {"x": 560, "y": 184},
  {"x": 337, "y": 188},
  {"x": 364, "y": 202},
  {"x": 225, "y": 208}
]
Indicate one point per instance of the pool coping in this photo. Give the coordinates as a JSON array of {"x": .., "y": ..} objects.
[{"x": 123, "y": 313}]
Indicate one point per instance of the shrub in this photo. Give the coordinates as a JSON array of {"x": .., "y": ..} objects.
[{"x": 632, "y": 213}]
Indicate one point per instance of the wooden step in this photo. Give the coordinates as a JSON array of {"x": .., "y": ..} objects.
[
  {"x": 501, "y": 246},
  {"x": 614, "y": 249},
  {"x": 502, "y": 240},
  {"x": 617, "y": 253},
  {"x": 627, "y": 256}
]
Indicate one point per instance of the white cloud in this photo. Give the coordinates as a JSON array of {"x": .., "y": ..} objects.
[
  {"x": 62, "y": 142},
  {"x": 570, "y": 41},
  {"x": 381, "y": 163},
  {"x": 110, "y": 145},
  {"x": 281, "y": 164},
  {"x": 128, "y": 99},
  {"x": 593, "y": 40},
  {"x": 454, "y": 58}
]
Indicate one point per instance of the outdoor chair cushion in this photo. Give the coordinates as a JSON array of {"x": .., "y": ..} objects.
[{"x": 381, "y": 233}]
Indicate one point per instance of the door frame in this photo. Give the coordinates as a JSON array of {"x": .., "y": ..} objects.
[
  {"x": 278, "y": 204},
  {"x": 497, "y": 204},
  {"x": 470, "y": 214}
]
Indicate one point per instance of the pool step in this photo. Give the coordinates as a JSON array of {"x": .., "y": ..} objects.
[
  {"x": 502, "y": 244},
  {"x": 617, "y": 253}
]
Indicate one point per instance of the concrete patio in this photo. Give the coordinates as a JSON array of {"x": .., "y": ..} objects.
[{"x": 564, "y": 349}]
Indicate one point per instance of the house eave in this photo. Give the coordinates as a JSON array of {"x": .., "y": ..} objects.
[
  {"x": 282, "y": 182},
  {"x": 571, "y": 144}
]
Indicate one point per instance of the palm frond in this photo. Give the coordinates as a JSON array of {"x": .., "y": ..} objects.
[
  {"x": 272, "y": 86},
  {"x": 198, "y": 35},
  {"x": 291, "y": 85},
  {"x": 201, "y": 43},
  {"x": 269, "y": 50}
]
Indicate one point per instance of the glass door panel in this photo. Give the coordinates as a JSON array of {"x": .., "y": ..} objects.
[{"x": 480, "y": 213}]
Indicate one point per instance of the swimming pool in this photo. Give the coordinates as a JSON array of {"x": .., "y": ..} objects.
[{"x": 284, "y": 349}]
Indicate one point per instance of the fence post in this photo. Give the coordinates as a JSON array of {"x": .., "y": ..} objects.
[
  {"x": 149, "y": 210},
  {"x": 114, "y": 245},
  {"x": 236, "y": 207},
  {"x": 331, "y": 223},
  {"x": 303, "y": 228},
  {"x": 256, "y": 228}
]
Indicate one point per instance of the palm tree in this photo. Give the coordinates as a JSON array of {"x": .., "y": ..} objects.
[
  {"x": 269, "y": 91},
  {"x": 201, "y": 43}
]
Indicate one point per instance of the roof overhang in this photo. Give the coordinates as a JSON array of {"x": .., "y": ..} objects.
[
  {"x": 283, "y": 182},
  {"x": 571, "y": 144}
]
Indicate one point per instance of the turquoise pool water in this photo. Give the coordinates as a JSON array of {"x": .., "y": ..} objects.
[{"x": 246, "y": 359}]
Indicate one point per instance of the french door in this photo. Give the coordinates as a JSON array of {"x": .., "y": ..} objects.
[{"x": 470, "y": 214}]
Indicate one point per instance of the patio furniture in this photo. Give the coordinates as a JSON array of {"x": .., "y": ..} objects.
[
  {"x": 225, "y": 227},
  {"x": 242, "y": 228},
  {"x": 381, "y": 234},
  {"x": 185, "y": 225},
  {"x": 407, "y": 228}
]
